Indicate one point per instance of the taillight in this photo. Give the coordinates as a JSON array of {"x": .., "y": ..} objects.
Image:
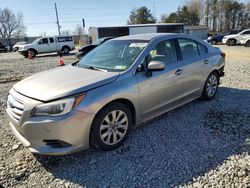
[{"x": 223, "y": 55}]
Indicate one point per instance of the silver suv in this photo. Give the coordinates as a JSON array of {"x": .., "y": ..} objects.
[{"x": 123, "y": 82}]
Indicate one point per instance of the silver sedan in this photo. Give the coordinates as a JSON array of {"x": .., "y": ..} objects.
[{"x": 125, "y": 81}]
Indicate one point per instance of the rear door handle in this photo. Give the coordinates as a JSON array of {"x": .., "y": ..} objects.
[
  {"x": 178, "y": 72},
  {"x": 205, "y": 61}
]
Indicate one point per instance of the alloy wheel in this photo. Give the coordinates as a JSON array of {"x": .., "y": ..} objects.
[
  {"x": 212, "y": 84},
  {"x": 113, "y": 127}
]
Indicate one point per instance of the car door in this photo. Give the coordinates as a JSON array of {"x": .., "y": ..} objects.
[
  {"x": 195, "y": 61},
  {"x": 42, "y": 45},
  {"x": 51, "y": 45},
  {"x": 159, "y": 90}
]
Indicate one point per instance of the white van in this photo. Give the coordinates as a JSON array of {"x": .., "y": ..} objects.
[{"x": 62, "y": 44}]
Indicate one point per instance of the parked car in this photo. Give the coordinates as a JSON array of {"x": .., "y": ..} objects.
[
  {"x": 87, "y": 48},
  {"x": 3, "y": 48},
  {"x": 245, "y": 42},
  {"x": 232, "y": 40},
  {"x": 18, "y": 45},
  {"x": 123, "y": 82},
  {"x": 48, "y": 45},
  {"x": 216, "y": 38}
]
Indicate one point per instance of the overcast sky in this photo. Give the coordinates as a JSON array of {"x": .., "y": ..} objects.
[{"x": 39, "y": 15}]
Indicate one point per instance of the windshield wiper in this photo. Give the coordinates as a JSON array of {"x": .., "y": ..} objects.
[{"x": 95, "y": 68}]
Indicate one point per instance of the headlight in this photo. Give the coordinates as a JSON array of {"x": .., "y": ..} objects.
[{"x": 57, "y": 108}]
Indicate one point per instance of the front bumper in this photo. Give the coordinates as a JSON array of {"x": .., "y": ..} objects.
[
  {"x": 53, "y": 135},
  {"x": 224, "y": 41}
]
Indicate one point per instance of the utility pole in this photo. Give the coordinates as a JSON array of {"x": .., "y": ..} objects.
[{"x": 57, "y": 21}]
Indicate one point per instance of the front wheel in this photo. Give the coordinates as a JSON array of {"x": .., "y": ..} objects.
[
  {"x": 111, "y": 126},
  {"x": 231, "y": 42},
  {"x": 211, "y": 86}
]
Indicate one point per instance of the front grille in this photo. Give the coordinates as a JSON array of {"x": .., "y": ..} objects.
[{"x": 15, "y": 107}]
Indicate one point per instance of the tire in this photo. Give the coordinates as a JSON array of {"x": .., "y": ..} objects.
[
  {"x": 104, "y": 130},
  {"x": 247, "y": 43},
  {"x": 65, "y": 50},
  {"x": 33, "y": 53},
  {"x": 231, "y": 42},
  {"x": 211, "y": 86},
  {"x": 213, "y": 42}
]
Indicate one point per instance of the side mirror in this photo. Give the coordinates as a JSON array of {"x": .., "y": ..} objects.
[{"x": 156, "y": 66}]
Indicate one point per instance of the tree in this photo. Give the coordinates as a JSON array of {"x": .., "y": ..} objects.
[
  {"x": 183, "y": 15},
  {"x": 11, "y": 24},
  {"x": 141, "y": 15}
]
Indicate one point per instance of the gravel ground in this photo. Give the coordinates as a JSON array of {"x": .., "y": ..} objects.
[{"x": 201, "y": 144}]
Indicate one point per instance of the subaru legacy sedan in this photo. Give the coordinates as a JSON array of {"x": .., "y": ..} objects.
[{"x": 97, "y": 100}]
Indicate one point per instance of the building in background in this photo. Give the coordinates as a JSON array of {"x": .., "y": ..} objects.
[
  {"x": 117, "y": 31},
  {"x": 198, "y": 31}
]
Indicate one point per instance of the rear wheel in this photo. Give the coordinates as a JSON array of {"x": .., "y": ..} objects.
[
  {"x": 231, "y": 42},
  {"x": 211, "y": 86},
  {"x": 213, "y": 42},
  {"x": 247, "y": 43},
  {"x": 65, "y": 50},
  {"x": 111, "y": 126}
]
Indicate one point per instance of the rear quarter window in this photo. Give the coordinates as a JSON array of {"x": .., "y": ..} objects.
[{"x": 190, "y": 48}]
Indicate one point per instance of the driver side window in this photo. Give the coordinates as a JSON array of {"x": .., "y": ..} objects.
[
  {"x": 43, "y": 41},
  {"x": 163, "y": 51}
]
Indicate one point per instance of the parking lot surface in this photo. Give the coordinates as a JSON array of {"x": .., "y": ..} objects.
[{"x": 201, "y": 144}]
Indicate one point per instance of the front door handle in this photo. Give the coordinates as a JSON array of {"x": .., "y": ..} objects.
[
  {"x": 205, "y": 61},
  {"x": 178, "y": 72}
]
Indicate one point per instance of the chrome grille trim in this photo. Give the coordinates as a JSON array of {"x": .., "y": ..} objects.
[{"x": 15, "y": 108}]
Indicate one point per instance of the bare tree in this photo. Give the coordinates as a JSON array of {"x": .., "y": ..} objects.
[{"x": 10, "y": 24}]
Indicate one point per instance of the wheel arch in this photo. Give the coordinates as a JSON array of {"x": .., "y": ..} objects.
[
  {"x": 127, "y": 102},
  {"x": 66, "y": 46},
  {"x": 124, "y": 101}
]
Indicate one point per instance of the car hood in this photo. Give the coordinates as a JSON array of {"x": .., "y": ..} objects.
[{"x": 63, "y": 81}]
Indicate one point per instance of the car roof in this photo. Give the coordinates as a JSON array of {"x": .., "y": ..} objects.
[{"x": 149, "y": 36}]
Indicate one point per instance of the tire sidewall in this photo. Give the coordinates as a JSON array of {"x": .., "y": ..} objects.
[
  {"x": 204, "y": 93},
  {"x": 95, "y": 139}
]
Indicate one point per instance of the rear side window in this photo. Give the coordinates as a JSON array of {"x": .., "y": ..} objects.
[
  {"x": 51, "y": 40},
  {"x": 64, "y": 39},
  {"x": 191, "y": 48}
]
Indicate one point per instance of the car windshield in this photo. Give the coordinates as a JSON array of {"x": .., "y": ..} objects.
[{"x": 113, "y": 56}]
